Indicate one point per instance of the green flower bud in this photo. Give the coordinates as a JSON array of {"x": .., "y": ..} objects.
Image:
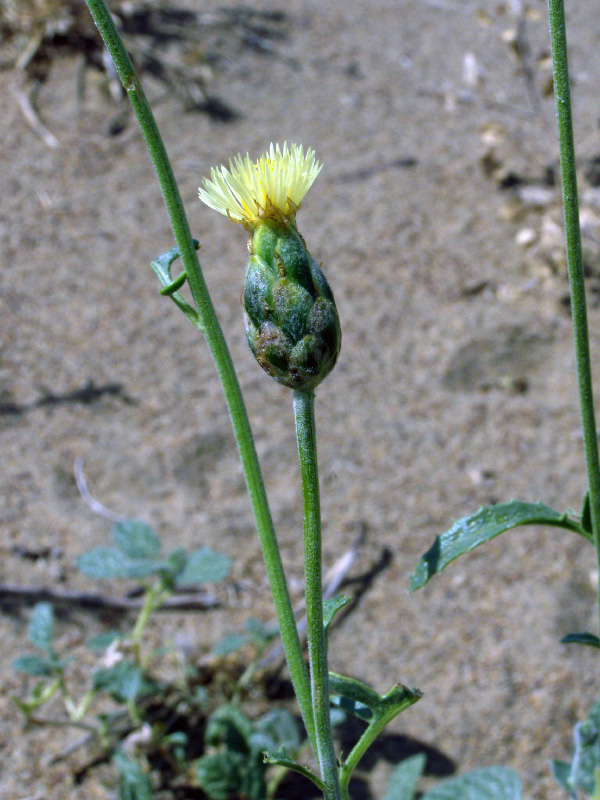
[{"x": 292, "y": 325}]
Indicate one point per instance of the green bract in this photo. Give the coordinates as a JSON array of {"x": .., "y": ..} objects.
[{"x": 292, "y": 324}]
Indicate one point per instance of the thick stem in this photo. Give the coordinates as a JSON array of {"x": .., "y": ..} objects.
[
  {"x": 558, "y": 36},
  {"x": 221, "y": 355},
  {"x": 304, "y": 411}
]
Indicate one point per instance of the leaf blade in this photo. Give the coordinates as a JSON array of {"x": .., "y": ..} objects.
[{"x": 469, "y": 532}]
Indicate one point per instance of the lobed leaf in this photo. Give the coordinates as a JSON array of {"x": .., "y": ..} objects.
[
  {"x": 124, "y": 682},
  {"x": 468, "y": 533}
]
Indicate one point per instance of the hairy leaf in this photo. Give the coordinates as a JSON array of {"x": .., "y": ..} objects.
[
  {"x": 204, "y": 566},
  {"x": 41, "y": 626},
  {"x": 404, "y": 780},
  {"x": 491, "y": 783},
  {"x": 136, "y": 539}
]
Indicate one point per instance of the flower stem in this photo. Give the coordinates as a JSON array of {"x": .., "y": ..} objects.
[
  {"x": 221, "y": 355},
  {"x": 558, "y": 36},
  {"x": 304, "y": 411}
]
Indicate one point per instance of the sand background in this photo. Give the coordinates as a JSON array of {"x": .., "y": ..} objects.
[{"x": 455, "y": 386}]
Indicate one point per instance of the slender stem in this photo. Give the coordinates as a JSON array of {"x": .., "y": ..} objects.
[
  {"x": 562, "y": 93},
  {"x": 221, "y": 355},
  {"x": 304, "y": 410}
]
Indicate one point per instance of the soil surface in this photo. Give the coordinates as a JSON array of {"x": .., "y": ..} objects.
[{"x": 437, "y": 220}]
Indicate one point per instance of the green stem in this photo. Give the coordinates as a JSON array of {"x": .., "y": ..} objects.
[
  {"x": 304, "y": 411},
  {"x": 562, "y": 93},
  {"x": 221, "y": 356}
]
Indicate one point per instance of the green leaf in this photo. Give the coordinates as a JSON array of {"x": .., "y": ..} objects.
[
  {"x": 103, "y": 562},
  {"x": 162, "y": 267},
  {"x": 274, "y": 730},
  {"x": 404, "y": 780},
  {"x": 586, "y": 759},
  {"x": 561, "y": 772},
  {"x": 134, "y": 783},
  {"x": 221, "y": 775},
  {"x": 468, "y": 533},
  {"x": 359, "y": 699},
  {"x": 204, "y": 566},
  {"x": 331, "y": 607},
  {"x": 136, "y": 539},
  {"x": 124, "y": 682},
  {"x": 586, "y": 514},
  {"x": 229, "y": 726},
  {"x": 491, "y": 783},
  {"x": 261, "y": 633},
  {"x": 581, "y": 638},
  {"x": 229, "y": 644},
  {"x": 281, "y": 758},
  {"x": 35, "y": 665},
  {"x": 103, "y": 640},
  {"x": 110, "y": 562},
  {"x": 41, "y": 626}
]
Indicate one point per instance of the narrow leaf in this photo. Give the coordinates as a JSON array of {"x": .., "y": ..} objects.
[
  {"x": 581, "y": 638},
  {"x": 282, "y": 759},
  {"x": 468, "y": 533},
  {"x": 586, "y": 514},
  {"x": 136, "y": 539},
  {"x": 331, "y": 607},
  {"x": 491, "y": 783},
  {"x": 354, "y": 690},
  {"x": 404, "y": 780},
  {"x": 162, "y": 267},
  {"x": 41, "y": 626}
]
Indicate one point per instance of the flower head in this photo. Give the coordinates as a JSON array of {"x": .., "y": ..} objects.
[{"x": 271, "y": 188}]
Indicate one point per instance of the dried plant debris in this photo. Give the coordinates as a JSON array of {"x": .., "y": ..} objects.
[{"x": 182, "y": 48}]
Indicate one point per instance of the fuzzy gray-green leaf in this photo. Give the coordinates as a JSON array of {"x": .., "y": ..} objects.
[
  {"x": 41, "y": 626},
  {"x": 136, "y": 539},
  {"x": 204, "y": 566},
  {"x": 404, "y": 780},
  {"x": 491, "y": 783}
]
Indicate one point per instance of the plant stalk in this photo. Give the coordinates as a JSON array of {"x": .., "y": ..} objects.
[
  {"x": 562, "y": 94},
  {"x": 304, "y": 411},
  {"x": 221, "y": 356}
]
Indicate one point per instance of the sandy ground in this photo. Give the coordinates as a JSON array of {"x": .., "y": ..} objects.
[{"x": 455, "y": 386}]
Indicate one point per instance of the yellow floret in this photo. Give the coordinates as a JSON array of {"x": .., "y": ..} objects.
[{"x": 271, "y": 188}]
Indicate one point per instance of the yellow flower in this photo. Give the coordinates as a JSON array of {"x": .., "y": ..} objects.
[{"x": 271, "y": 188}]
